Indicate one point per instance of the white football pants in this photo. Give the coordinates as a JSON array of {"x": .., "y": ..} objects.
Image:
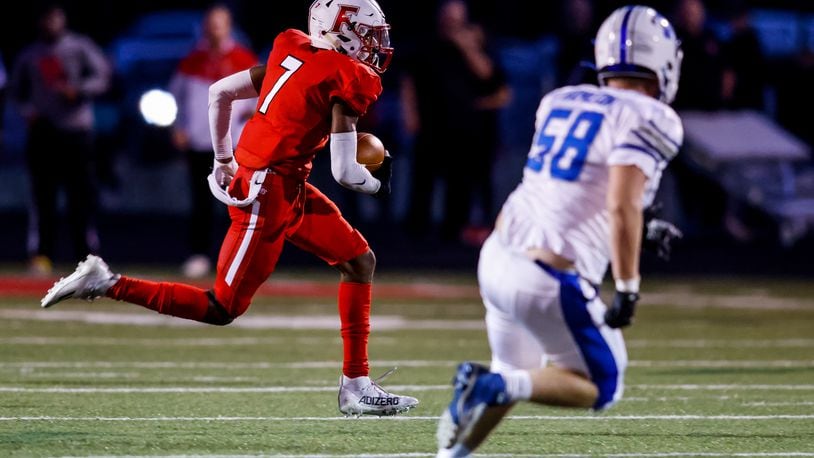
[{"x": 537, "y": 315}]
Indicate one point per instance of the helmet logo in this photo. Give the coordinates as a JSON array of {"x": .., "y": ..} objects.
[{"x": 343, "y": 17}]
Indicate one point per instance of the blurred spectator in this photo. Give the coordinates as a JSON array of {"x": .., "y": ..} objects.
[
  {"x": 216, "y": 55},
  {"x": 575, "y": 36},
  {"x": 3, "y": 75},
  {"x": 452, "y": 92},
  {"x": 744, "y": 76},
  {"x": 795, "y": 95},
  {"x": 3, "y": 81},
  {"x": 702, "y": 68},
  {"x": 743, "y": 86},
  {"x": 53, "y": 84},
  {"x": 703, "y": 200}
]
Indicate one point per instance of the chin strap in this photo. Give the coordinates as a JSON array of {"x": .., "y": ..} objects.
[{"x": 326, "y": 41}]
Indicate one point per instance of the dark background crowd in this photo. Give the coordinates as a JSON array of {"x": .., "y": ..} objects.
[{"x": 457, "y": 114}]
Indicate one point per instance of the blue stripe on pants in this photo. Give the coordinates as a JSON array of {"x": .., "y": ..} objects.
[{"x": 597, "y": 354}]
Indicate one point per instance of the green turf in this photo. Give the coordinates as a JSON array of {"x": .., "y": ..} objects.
[{"x": 701, "y": 363}]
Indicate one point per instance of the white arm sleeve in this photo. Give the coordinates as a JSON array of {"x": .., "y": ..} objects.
[
  {"x": 345, "y": 169},
  {"x": 221, "y": 95}
]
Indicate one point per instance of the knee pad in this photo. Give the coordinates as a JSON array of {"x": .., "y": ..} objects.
[{"x": 216, "y": 314}]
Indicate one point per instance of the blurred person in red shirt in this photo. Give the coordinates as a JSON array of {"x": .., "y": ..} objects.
[{"x": 216, "y": 56}]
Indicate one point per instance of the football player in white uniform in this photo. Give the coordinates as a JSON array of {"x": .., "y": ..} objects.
[{"x": 595, "y": 163}]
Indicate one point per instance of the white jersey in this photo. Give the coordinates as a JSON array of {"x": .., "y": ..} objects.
[{"x": 581, "y": 131}]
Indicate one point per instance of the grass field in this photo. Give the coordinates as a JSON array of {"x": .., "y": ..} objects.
[{"x": 718, "y": 368}]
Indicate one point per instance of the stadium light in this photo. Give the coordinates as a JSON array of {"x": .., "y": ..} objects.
[{"x": 158, "y": 107}]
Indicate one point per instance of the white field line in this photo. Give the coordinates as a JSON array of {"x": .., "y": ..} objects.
[
  {"x": 238, "y": 341},
  {"x": 754, "y": 301},
  {"x": 723, "y": 363},
  {"x": 312, "y": 389},
  {"x": 91, "y": 375},
  {"x": 715, "y": 343},
  {"x": 318, "y": 321},
  {"x": 364, "y": 455},
  {"x": 249, "y": 321},
  {"x": 204, "y": 389},
  {"x": 29, "y": 365},
  {"x": 424, "y": 418},
  {"x": 483, "y": 455},
  {"x": 668, "y": 454},
  {"x": 674, "y": 398},
  {"x": 777, "y": 404},
  {"x": 134, "y": 375},
  {"x": 219, "y": 379},
  {"x": 722, "y": 387},
  {"x": 158, "y": 342}
]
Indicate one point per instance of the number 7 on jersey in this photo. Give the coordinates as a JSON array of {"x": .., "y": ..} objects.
[{"x": 291, "y": 64}]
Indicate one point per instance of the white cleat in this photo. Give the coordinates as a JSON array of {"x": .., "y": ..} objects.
[
  {"x": 363, "y": 396},
  {"x": 91, "y": 279}
]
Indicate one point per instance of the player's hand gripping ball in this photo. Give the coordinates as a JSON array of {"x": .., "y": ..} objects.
[{"x": 370, "y": 151}]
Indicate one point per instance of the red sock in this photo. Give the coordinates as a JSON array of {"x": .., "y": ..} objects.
[
  {"x": 174, "y": 299},
  {"x": 354, "y": 315}
]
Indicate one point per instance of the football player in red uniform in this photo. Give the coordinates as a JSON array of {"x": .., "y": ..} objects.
[{"x": 311, "y": 91}]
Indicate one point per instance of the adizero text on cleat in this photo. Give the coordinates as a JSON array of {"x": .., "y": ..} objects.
[{"x": 363, "y": 396}]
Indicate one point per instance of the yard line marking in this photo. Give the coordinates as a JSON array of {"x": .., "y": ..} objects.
[
  {"x": 204, "y": 389},
  {"x": 424, "y": 418},
  {"x": 250, "y": 321},
  {"x": 694, "y": 387},
  {"x": 484, "y": 455},
  {"x": 674, "y": 398},
  {"x": 214, "y": 365},
  {"x": 363, "y": 455},
  {"x": 777, "y": 404},
  {"x": 186, "y": 342},
  {"x": 665, "y": 454},
  {"x": 135, "y": 375},
  {"x": 723, "y": 363},
  {"x": 237, "y": 341},
  {"x": 312, "y": 389},
  {"x": 754, "y": 301},
  {"x": 100, "y": 375},
  {"x": 211, "y": 341},
  {"x": 403, "y": 363},
  {"x": 712, "y": 343},
  {"x": 219, "y": 379},
  {"x": 415, "y": 288}
]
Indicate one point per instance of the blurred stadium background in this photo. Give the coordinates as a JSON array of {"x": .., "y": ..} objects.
[{"x": 750, "y": 208}]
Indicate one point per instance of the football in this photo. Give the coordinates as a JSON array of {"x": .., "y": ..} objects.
[{"x": 369, "y": 151}]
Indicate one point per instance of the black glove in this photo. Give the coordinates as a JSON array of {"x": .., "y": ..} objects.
[
  {"x": 620, "y": 313},
  {"x": 658, "y": 234},
  {"x": 384, "y": 174}
]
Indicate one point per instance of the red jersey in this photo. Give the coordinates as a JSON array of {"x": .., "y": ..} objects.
[
  {"x": 212, "y": 65},
  {"x": 293, "y": 117}
]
